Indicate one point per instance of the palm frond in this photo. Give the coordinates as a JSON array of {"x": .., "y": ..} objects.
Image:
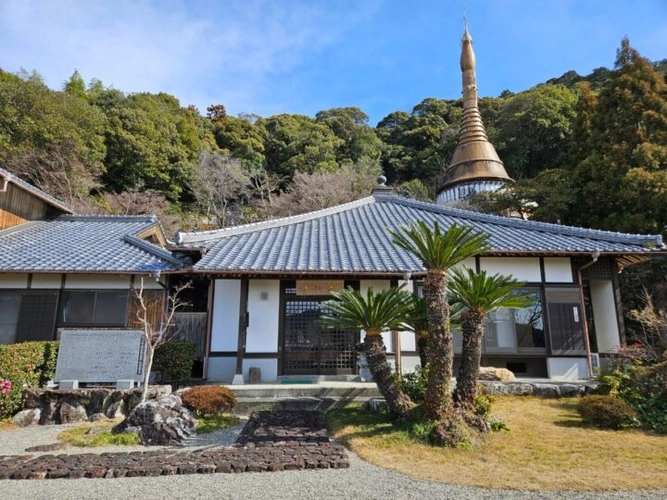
[
  {"x": 483, "y": 293},
  {"x": 385, "y": 310},
  {"x": 438, "y": 249}
]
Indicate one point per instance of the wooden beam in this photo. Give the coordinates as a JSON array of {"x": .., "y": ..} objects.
[{"x": 243, "y": 326}]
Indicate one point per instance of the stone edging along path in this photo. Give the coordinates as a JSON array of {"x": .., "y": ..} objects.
[{"x": 270, "y": 441}]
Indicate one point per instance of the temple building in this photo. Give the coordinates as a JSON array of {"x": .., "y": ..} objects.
[{"x": 475, "y": 166}]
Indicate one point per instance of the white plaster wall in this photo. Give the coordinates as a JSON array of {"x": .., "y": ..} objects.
[
  {"x": 521, "y": 268},
  {"x": 604, "y": 312},
  {"x": 469, "y": 263},
  {"x": 102, "y": 281},
  {"x": 221, "y": 369},
  {"x": 408, "y": 341},
  {"x": 408, "y": 363},
  {"x": 567, "y": 368},
  {"x": 268, "y": 367},
  {"x": 225, "y": 317},
  {"x": 12, "y": 280},
  {"x": 377, "y": 286},
  {"x": 558, "y": 270},
  {"x": 46, "y": 281},
  {"x": 264, "y": 309}
]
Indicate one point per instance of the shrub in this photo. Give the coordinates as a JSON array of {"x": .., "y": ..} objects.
[
  {"x": 209, "y": 399},
  {"x": 175, "y": 360},
  {"x": 28, "y": 364},
  {"x": 414, "y": 384},
  {"x": 607, "y": 412},
  {"x": 646, "y": 391}
]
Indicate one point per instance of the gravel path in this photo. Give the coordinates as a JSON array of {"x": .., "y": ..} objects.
[
  {"x": 15, "y": 442},
  {"x": 361, "y": 481}
]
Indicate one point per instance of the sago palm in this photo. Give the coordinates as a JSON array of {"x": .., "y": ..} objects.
[
  {"x": 479, "y": 294},
  {"x": 438, "y": 251},
  {"x": 374, "y": 313}
]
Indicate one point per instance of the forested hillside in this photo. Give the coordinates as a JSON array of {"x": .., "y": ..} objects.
[{"x": 590, "y": 150}]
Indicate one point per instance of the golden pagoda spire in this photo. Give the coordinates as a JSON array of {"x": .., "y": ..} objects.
[{"x": 475, "y": 158}]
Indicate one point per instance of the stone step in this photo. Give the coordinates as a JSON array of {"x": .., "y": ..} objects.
[
  {"x": 246, "y": 406},
  {"x": 335, "y": 390}
]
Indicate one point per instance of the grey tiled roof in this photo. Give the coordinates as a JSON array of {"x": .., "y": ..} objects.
[
  {"x": 354, "y": 238},
  {"x": 60, "y": 205},
  {"x": 84, "y": 243}
]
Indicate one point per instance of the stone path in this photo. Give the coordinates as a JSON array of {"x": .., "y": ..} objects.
[{"x": 270, "y": 441}]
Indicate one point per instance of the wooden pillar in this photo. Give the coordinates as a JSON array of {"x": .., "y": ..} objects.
[{"x": 243, "y": 328}]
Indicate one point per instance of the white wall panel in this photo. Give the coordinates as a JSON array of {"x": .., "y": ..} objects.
[
  {"x": 604, "y": 312},
  {"x": 102, "y": 282},
  {"x": 264, "y": 309},
  {"x": 221, "y": 369},
  {"x": 521, "y": 268},
  {"x": 46, "y": 281},
  {"x": 558, "y": 270},
  {"x": 225, "y": 316},
  {"x": 13, "y": 280},
  {"x": 268, "y": 367}
]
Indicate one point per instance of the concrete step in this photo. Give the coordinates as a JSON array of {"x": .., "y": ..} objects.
[
  {"x": 334, "y": 390},
  {"x": 245, "y": 406}
]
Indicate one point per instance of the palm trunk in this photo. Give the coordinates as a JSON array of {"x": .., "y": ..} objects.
[
  {"x": 399, "y": 403},
  {"x": 438, "y": 397},
  {"x": 472, "y": 327}
]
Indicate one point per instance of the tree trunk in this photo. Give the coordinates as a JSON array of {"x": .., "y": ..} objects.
[
  {"x": 399, "y": 403},
  {"x": 148, "y": 366},
  {"x": 472, "y": 327},
  {"x": 438, "y": 397}
]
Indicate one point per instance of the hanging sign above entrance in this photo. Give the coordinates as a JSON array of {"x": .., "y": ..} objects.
[{"x": 319, "y": 287}]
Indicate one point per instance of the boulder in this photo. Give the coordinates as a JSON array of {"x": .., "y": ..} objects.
[
  {"x": 71, "y": 411},
  {"x": 27, "y": 417},
  {"x": 97, "y": 417},
  {"x": 496, "y": 374},
  {"x": 164, "y": 421},
  {"x": 116, "y": 410}
]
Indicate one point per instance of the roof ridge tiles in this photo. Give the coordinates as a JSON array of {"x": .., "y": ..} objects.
[
  {"x": 655, "y": 239},
  {"x": 152, "y": 249},
  {"x": 36, "y": 191},
  {"x": 109, "y": 218},
  {"x": 183, "y": 238}
]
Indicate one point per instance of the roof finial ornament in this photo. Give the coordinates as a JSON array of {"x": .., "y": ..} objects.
[
  {"x": 475, "y": 165},
  {"x": 382, "y": 180}
]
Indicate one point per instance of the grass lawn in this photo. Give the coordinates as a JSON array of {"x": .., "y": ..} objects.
[
  {"x": 546, "y": 448},
  {"x": 79, "y": 436}
]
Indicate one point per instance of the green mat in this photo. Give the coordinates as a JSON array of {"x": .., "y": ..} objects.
[{"x": 296, "y": 382}]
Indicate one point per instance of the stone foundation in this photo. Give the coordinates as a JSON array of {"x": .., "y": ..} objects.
[{"x": 54, "y": 406}]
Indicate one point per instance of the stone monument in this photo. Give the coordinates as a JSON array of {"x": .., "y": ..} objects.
[{"x": 100, "y": 356}]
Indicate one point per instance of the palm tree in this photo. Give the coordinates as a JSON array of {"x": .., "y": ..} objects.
[
  {"x": 417, "y": 321},
  {"x": 438, "y": 251},
  {"x": 479, "y": 294},
  {"x": 375, "y": 313}
]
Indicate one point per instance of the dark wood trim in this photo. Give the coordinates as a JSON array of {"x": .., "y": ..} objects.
[
  {"x": 209, "y": 325},
  {"x": 243, "y": 325},
  {"x": 29, "y": 282},
  {"x": 546, "y": 324},
  {"x": 616, "y": 290},
  {"x": 543, "y": 271},
  {"x": 478, "y": 263},
  {"x": 247, "y": 355}
]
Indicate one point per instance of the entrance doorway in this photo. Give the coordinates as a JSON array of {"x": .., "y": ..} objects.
[{"x": 309, "y": 349}]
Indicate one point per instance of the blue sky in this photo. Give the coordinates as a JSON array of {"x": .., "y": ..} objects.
[{"x": 303, "y": 56}]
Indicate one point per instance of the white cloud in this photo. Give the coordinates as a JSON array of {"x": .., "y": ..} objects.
[{"x": 202, "y": 52}]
